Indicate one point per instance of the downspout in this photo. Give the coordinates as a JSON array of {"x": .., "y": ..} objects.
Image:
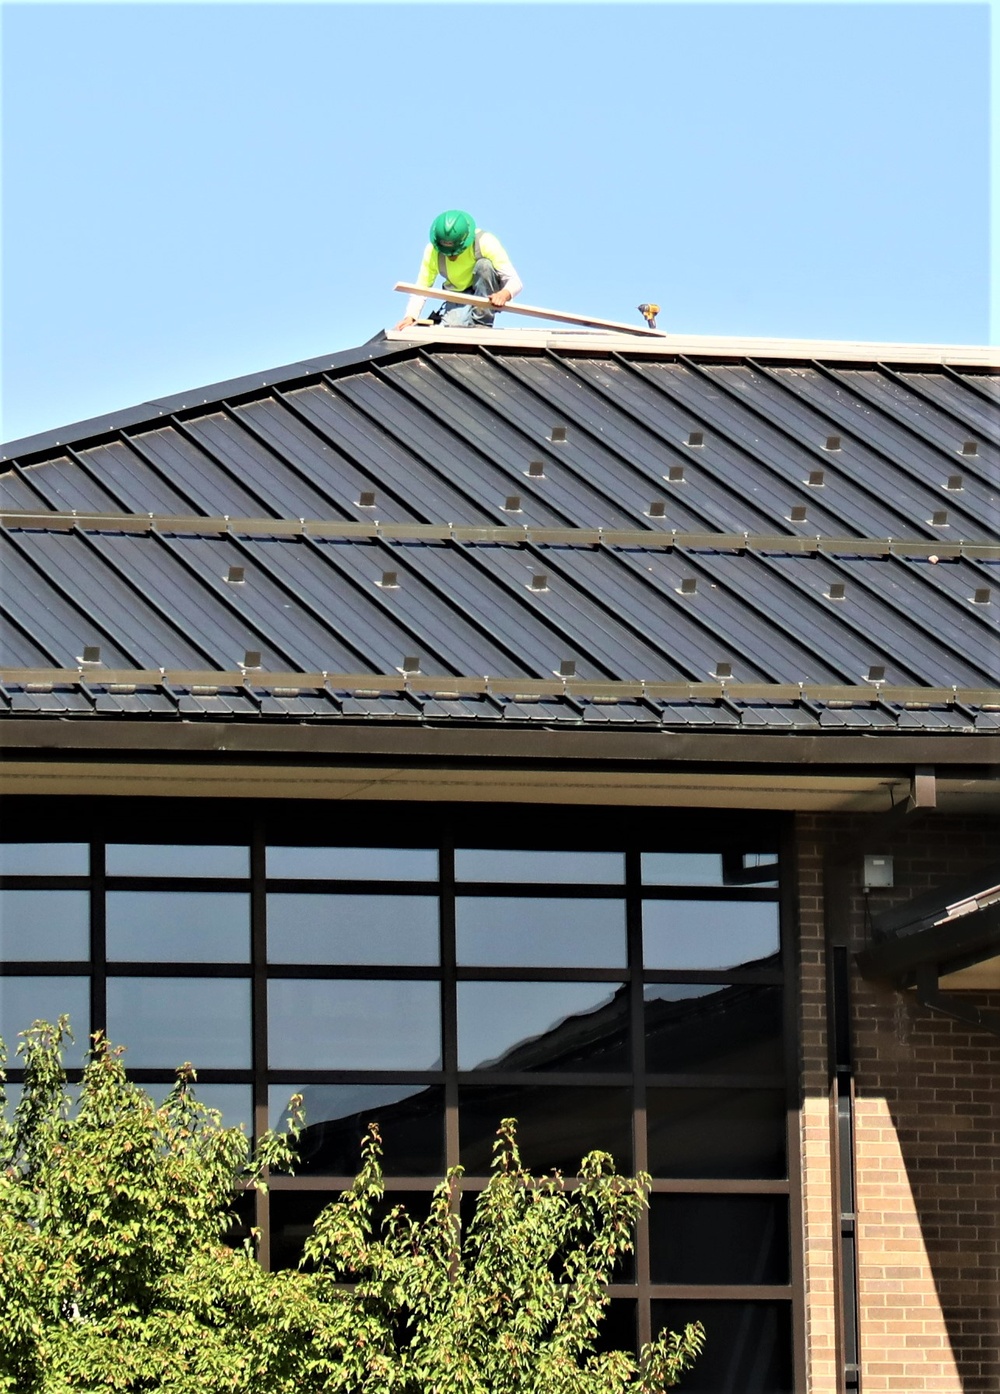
[{"x": 838, "y": 864}]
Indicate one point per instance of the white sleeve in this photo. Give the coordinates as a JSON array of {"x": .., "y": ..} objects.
[
  {"x": 426, "y": 276},
  {"x": 491, "y": 247}
]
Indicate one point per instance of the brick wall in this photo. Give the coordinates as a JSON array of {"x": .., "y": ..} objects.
[{"x": 927, "y": 1122}]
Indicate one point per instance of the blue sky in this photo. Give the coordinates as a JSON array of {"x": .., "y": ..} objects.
[{"x": 196, "y": 191}]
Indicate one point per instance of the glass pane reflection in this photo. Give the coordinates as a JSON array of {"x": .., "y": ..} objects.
[
  {"x": 518, "y": 932},
  {"x": 410, "y": 1119},
  {"x": 359, "y": 1024},
  {"x": 318, "y": 928},
  {"x": 718, "y": 1239},
  {"x": 556, "y": 1125},
  {"x": 709, "y": 868},
  {"x": 698, "y": 1028},
  {"x": 748, "y": 1345},
  {"x": 716, "y": 1132},
  {"x": 45, "y": 925},
  {"x": 233, "y": 1101},
  {"x": 44, "y": 859},
  {"x": 29, "y": 999},
  {"x": 709, "y": 934},
  {"x": 353, "y": 863},
  {"x": 543, "y": 1026},
  {"x": 169, "y": 859},
  {"x": 566, "y": 868},
  {"x": 165, "y": 1021},
  {"x": 178, "y": 926}
]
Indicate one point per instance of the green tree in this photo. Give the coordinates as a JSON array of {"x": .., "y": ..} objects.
[{"x": 114, "y": 1273}]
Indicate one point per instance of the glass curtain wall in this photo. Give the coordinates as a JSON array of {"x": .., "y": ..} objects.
[{"x": 622, "y": 989}]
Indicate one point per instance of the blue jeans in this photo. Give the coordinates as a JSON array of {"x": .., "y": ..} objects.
[{"x": 484, "y": 282}]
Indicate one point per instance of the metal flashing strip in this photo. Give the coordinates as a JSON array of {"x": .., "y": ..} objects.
[
  {"x": 220, "y": 526},
  {"x": 430, "y": 685}
]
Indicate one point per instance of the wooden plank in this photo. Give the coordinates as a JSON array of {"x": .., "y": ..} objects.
[{"x": 458, "y": 297}]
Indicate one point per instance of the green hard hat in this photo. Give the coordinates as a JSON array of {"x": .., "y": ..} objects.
[{"x": 453, "y": 231}]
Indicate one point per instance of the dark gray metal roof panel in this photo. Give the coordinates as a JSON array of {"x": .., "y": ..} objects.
[{"x": 505, "y": 439}]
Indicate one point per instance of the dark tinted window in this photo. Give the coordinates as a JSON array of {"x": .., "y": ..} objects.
[
  {"x": 293, "y": 1214},
  {"x": 542, "y": 1026},
  {"x": 700, "y": 1028},
  {"x": 520, "y": 932},
  {"x": 410, "y": 1119},
  {"x": 709, "y": 934},
  {"x": 716, "y": 1132},
  {"x": 556, "y": 1126},
  {"x": 748, "y": 1345},
  {"x": 618, "y": 1330},
  {"x": 44, "y": 925},
  {"x": 718, "y": 1239}
]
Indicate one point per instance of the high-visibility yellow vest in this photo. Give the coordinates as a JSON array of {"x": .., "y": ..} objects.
[{"x": 458, "y": 271}]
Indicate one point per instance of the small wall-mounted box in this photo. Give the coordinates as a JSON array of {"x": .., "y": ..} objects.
[{"x": 878, "y": 871}]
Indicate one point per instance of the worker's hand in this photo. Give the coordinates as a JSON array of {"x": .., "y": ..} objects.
[
  {"x": 499, "y": 298},
  {"x": 405, "y": 323}
]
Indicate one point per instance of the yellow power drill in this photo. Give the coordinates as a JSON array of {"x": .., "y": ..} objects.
[{"x": 649, "y": 313}]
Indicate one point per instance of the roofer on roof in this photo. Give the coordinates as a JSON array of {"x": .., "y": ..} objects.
[{"x": 468, "y": 260}]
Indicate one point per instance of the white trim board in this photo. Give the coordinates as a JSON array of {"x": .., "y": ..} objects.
[{"x": 958, "y": 355}]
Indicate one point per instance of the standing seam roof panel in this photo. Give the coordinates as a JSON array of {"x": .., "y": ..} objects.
[
  {"x": 691, "y": 508},
  {"x": 763, "y": 439},
  {"x": 919, "y": 468}
]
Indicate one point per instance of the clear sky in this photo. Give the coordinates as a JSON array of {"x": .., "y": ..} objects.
[{"x": 197, "y": 191}]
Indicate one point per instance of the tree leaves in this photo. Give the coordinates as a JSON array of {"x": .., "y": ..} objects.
[{"x": 115, "y": 1275}]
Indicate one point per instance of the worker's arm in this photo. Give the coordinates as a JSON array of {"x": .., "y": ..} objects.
[
  {"x": 492, "y": 248},
  {"x": 426, "y": 276}
]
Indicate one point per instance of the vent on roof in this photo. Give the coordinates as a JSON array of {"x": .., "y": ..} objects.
[
  {"x": 939, "y": 518},
  {"x": 970, "y": 447},
  {"x": 251, "y": 659},
  {"x": 657, "y": 509},
  {"x": 567, "y": 668},
  {"x": 389, "y": 581},
  {"x": 540, "y": 582},
  {"x": 981, "y": 596},
  {"x": 91, "y": 654},
  {"x": 832, "y": 443},
  {"x": 410, "y": 664},
  {"x": 695, "y": 438},
  {"x": 366, "y": 499},
  {"x": 512, "y": 503},
  {"x": 236, "y": 576},
  {"x": 837, "y": 591},
  {"x": 536, "y": 469},
  {"x": 675, "y": 474},
  {"x": 688, "y": 585},
  {"x": 876, "y": 673},
  {"x": 816, "y": 479},
  {"x": 798, "y": 513},
  {"x": 558, "y": 435},
  {"x": 954, "y": 483},
  {"x": 723, "y": 670}
]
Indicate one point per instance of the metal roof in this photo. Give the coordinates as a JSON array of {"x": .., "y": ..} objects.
[{"x": 521, "y": 529}]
